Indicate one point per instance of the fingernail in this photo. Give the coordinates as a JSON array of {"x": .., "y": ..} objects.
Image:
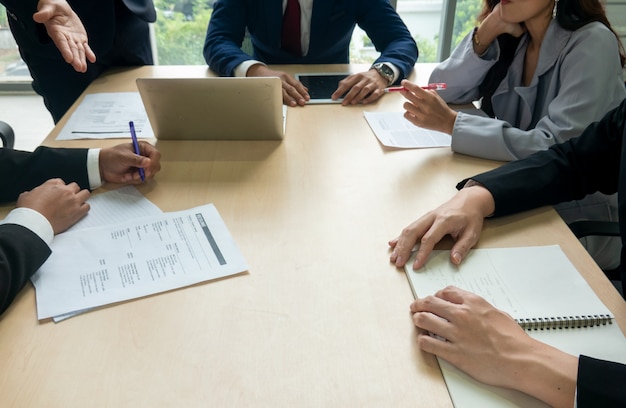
[
  {"x": 399, "y": 260},
  {"x": 456, "y": 258}
]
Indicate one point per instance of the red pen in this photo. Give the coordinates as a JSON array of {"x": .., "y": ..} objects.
[{"x": 436, "y": 86}]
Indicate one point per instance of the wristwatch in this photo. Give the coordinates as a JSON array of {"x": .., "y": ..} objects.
[{"x": 385, "y": 71}]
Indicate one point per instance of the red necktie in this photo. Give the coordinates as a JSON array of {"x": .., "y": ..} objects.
[{"x": 291, "y": 28}]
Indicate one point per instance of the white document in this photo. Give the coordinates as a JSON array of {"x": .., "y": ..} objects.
[
  {"x": 393, "y": 130},
  {"x": 527, "y": 282},
  {"x": 122, "y": 204},
  {"x": 102, "y": 265},
  {"x": 106, "y": 115}
]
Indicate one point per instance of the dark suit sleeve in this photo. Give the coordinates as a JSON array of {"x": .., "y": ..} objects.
[
  {"x": 389, "y": 34},
  {"x": 22, "y": 252},
  {"x": 600, "y": 383},
  {"x": 222, "y": 45},
  {"x": 23, "y": 171},
  {"x": 564, "y": 172}
]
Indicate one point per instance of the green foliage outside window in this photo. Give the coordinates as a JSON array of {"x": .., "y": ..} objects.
[
  {"x": 465, "y": 19},
  {"x": 180, "y": 30},
  {"x": 427, "y": 49}
]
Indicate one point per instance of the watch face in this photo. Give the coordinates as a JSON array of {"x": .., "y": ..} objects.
[
  {"x": 384, "y": 70},
  {"x": 388, "y": 71}
]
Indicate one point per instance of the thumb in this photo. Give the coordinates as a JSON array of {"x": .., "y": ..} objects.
[
  {"x": 44, "y": 14},
  {"x": 140, "y": 161}
]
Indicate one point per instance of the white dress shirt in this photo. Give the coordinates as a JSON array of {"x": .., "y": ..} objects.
[{"x": 37, "y": 223}]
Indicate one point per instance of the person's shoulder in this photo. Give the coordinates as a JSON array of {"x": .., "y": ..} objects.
[
  {"x": 594, "y": 35},
  {"x": 594, "y": 30}
]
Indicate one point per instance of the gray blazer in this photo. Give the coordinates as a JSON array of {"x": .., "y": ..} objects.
[{"x": 577, "y": 80}]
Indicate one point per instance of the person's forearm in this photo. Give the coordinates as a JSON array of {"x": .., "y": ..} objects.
[{"x": 545, "y": 373}]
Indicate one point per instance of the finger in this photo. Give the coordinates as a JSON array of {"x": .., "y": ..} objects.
[
  {"x": 83, "y": 196},
  {"x": 430, "y": 238},
  {"x": 412, "y": 118},
  {"x": 342, "y": 89},
  {"x": 91, "y": 56},
  {"x": 407, "y": 240},
  {"x": 466, "y": 239},
  {"x": 433, "y": 318},
  {"x": 149, "y": 151},
  {"x": 366, "y": 89},
  {"x": 434, "y": 314},
  {"x": 433, "y": 345},
  {"x": 392, "y": 243},
  {"x": 356, "y": 93},
  {"x": 73, "y": 187},
  {"x": 453, "y": 294},
  {"x": 288, "y": 100},
  {"x": 374, "y": 96},
  {"x": 461, "y": 247},
  {"x": 81, "y": 58},
  {"x": 55, "y": 181},
  {"x": 292, "y": 94},
  {"x": 296, "y": 89}
]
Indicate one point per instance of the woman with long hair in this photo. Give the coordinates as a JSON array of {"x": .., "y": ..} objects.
[{"x": 543, "y": 70}]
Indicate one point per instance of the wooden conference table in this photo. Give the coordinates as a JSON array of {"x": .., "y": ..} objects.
[{"x": 321, "y": 319}]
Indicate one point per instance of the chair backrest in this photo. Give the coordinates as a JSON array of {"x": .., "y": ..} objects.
[{"x": 7, "y": 135}]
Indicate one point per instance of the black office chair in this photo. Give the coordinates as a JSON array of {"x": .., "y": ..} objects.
[
  {"x": 7, "y": 135},
  {"x": 604, "y": 229}
]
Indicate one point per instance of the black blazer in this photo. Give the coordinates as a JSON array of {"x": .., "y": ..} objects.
[
  {"x": 22, "y": 252},
  {"x": 595, "y": 161}
]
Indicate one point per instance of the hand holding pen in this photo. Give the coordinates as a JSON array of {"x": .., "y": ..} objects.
[
  {"x": 120, "y": 164},
  {"x": 427, "y": 109}
]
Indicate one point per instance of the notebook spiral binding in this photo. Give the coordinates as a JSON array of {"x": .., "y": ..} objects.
[{"x": 564, "y": 322}]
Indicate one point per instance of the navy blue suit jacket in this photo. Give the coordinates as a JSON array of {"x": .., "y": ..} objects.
[
  {"x": 22, "y": 252},
  {"x": 595, "y": 161},
  {"x": 332, "y": 24}
]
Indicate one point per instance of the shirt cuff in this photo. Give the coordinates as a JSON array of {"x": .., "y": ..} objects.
[
  {"x": 241, "y": 70},
  {"x": 33, "y": 220},
  {"x": 93, "y": 168}
]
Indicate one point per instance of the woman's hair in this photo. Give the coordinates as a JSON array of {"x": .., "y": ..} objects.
[{"x": 571, "y": 15}]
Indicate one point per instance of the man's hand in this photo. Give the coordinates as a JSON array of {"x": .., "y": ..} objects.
[
  {"x": 66, "y": 31},
  {"x": 120, "y": 164},
  {"x": 364, "y": 87},
  {"x": 62, "y": 204},
  {"x": 461, "y": 217},
  {"x": 490, "y": 346},
  {"x": 294, "y": 93}
]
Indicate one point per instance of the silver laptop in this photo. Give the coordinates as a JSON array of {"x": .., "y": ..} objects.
[{"x": 213, "y": 108}]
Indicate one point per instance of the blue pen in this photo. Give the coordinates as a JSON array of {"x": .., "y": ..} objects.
[{"x": 133, "y": 135}]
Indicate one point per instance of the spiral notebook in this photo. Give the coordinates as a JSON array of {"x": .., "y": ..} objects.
[{"x": 542, "y": 291}]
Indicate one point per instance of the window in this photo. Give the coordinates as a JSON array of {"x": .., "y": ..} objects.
[
  {"x": 13, "y": 71},
  {"x": 181, "y": 27}
]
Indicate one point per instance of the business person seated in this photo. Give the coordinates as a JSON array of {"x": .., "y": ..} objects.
[
  {"x": 309, "y": 32},
  {"x": 68, "y": 45},
  {"x": 51, "y": 187},
  {"x": 486, "y": 342},
  {"x": 544, "y": 71}
]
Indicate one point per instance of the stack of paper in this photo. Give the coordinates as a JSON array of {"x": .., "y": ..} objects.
[{"x": 127, "y": 248}]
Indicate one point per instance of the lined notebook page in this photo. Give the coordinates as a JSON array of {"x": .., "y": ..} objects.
[{"x": 526, "y": 282}]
